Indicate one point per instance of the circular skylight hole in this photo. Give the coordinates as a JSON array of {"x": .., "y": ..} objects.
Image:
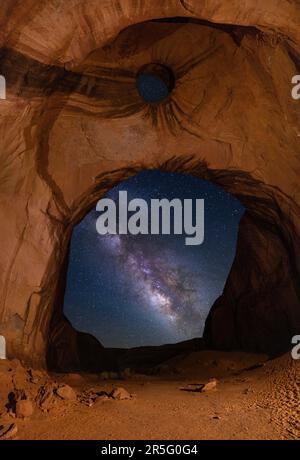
[{"x": 155, "y": 82}]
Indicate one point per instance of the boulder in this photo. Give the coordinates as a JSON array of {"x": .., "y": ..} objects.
[
  {"x": 210, "y": 385},
  {"x": 120, "y": 394},
  {"x": 66, "y": 392},
  {"x": 24, "y": 408}
]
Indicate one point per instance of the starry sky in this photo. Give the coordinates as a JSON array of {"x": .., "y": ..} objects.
[{"x": 139, "y": 290}]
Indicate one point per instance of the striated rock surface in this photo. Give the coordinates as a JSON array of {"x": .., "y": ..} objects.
[{"x": 73, "y": 125}]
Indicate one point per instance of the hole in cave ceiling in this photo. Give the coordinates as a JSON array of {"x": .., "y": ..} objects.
[{"x": 155, "y": 82}]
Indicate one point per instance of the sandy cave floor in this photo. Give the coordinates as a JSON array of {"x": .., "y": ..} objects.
[{"x": 253, "y": 399}]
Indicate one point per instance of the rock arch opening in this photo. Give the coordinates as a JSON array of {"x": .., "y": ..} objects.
[
  {"x": 152, "y": 288},
  {"x": 258, "y": 308}
]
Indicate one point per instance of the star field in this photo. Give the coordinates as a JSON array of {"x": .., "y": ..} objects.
[{"x": 151, "y": 289}]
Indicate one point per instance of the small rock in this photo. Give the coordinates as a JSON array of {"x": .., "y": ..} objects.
[
  {"x": 24, "y": 408},
  {"x": 8, "y": 431},
  {"x": 66, "y": 392},
  {"x": 101, "y": 399},
  {"x": 120, "y": 394},
  {"x": 210, "y": 385},
  {"x": 93, "y": 395},
  {"x": 200, "y": 387}
]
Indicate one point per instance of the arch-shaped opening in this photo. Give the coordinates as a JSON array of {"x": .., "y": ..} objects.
[
  {"x": 155, "y": 287},
  {"x": 243, "y": 316}
]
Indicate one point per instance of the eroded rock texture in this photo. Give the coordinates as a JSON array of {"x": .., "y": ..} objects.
[{"x": 74, "y": 124}]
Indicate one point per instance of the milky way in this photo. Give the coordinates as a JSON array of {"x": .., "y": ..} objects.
[
  {"x": 163, "y": 287},
  {"x": 151, "y": 289}
]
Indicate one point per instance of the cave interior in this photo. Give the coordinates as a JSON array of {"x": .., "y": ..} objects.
[{"x": 87, "y": 122}]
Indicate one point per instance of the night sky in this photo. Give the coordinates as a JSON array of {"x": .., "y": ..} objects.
[{"x": 151, "y": 289}]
